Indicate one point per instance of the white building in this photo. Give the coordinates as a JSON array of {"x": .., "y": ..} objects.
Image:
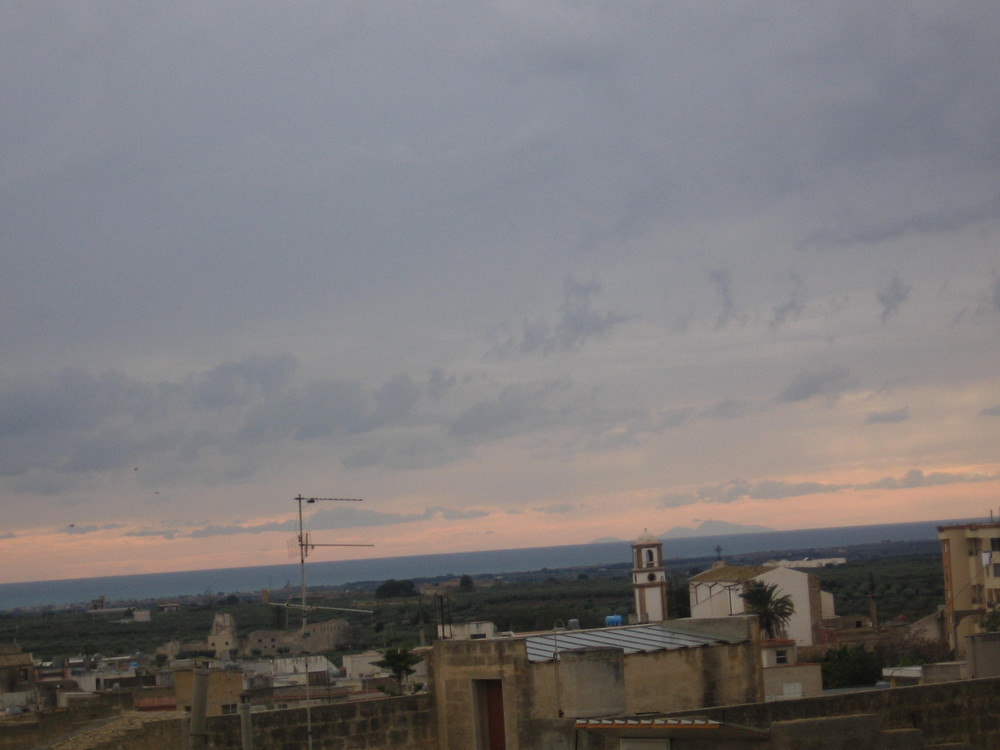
[{"x": 716, "y": 593}]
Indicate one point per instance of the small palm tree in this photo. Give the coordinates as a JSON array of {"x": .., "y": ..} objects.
[{"x": 772, "y": 610}]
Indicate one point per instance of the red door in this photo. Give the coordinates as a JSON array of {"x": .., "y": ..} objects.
[{"x": 491, "y": 715}]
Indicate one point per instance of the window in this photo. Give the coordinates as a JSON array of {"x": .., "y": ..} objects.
[
  {"x": 781, "y": 656},
  {"x": 995, "y": 544},
  {"x": 228, "y": 708}
]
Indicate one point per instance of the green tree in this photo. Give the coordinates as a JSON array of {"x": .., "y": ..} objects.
[
  {"x": 992, "y": 622},
  {"x": 850, "y": 666},
  {"x": 400, "y": 662},
  {"x": 772, "y": 610},
  {"x": 393, "y": 588},
  {"x": 465, "y": 583}
]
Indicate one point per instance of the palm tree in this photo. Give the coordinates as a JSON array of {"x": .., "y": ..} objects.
[{"x": 772, "y": 610}]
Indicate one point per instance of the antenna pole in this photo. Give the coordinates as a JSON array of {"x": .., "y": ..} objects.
[{"x": 304, "y": 547}]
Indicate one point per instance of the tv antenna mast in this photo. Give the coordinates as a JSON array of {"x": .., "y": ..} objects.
[{"x": 305, "y": 546}]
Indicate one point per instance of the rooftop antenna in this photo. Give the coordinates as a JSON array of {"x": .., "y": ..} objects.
[
  {"x": 718, "y": 553},
  {"x": 304, "y": 547}
]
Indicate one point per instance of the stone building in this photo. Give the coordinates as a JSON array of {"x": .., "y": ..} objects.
[
  {"x": 785, "y": 677},
  {"x": 224, "y": 689},
  {"x": 222, "y": 638},
  {"x": 523, "y": 692},
  {"x": 317, "y": 638}
]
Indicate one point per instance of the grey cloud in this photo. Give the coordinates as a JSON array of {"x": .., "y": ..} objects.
[
  {"x": 677, "y": 500},
  {"x": 830, "y": 382},
  {"x": 67, "y": 400},
  {"x": 725, "y": 493},
  {"x": 216, "y": 530},
  {"x": 578, "y": 321},
  {"x": 439, "y": 383},
  {"x": 917, "y": 478},
  {"x": 723, "y": 290},
  {"x": 418, "y": 449},
  {"x": 729, "y": 409},
  {"x": 774, "y": 489},
  {"x": 327, "y": 408},
  {"x": 165, "y": 534},
  {"x": 237, "y": 383},
  {"x": 991, "y": 411},
  {"x": 791, "y": 309},
  {"x": 669, "y": 419},
  {"x": 516, "y": 405},
  {"x": 631, "y": 427},
  {"x": 891, "y": 296},
  {"x": 74, "y": 422},
  {"x": 931, "y": 221},
  {"x": 396, "y": 399},
  {"x": 888, "y": 417},
  {"x": 348, "y": 515},
  {"x": 558, "y": 508},
  {"x": 778, "y": 489},
  {"x": 455, "y": 514}
]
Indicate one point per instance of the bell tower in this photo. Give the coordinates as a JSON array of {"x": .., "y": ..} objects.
[{"x": 649, "y": 579}]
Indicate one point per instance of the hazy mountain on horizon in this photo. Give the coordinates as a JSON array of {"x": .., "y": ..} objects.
[
  {"x": 712, "y": 528},
  {"x": 705, "y": 528}
]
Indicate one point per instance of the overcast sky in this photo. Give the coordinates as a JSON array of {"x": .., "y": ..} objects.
[{"x": 515, "y": 273}]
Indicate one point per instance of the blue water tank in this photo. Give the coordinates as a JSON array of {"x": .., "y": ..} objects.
[{"x": 612, "y": 620}]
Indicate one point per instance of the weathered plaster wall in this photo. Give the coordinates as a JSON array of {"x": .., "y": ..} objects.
[
  {"x": 951, "y": 712},
  {"x": 692, "y": 677},
  {"x": 454, "y": 667}
]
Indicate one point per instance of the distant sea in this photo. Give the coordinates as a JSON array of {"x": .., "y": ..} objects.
[{"x": 236, "y": 580}]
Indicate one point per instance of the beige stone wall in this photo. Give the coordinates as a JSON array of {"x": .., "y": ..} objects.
[
  {"x": 591, "y": 683},
  {"x": 539, "y": 697},
  {"x": 808, "y": 677},
  {"x": 693, "y": 677},
  {"x": 224, "y": 688},
  {"x": 454, "y": 667},
  {"x": 952, "y": 712},
  {"x": 388, "y": 724}
]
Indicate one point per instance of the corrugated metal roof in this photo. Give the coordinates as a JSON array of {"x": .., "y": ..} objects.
[{"x": 631, "y": 639}]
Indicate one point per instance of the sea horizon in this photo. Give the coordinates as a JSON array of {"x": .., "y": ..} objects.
[{"x": 146, "y": 586}]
